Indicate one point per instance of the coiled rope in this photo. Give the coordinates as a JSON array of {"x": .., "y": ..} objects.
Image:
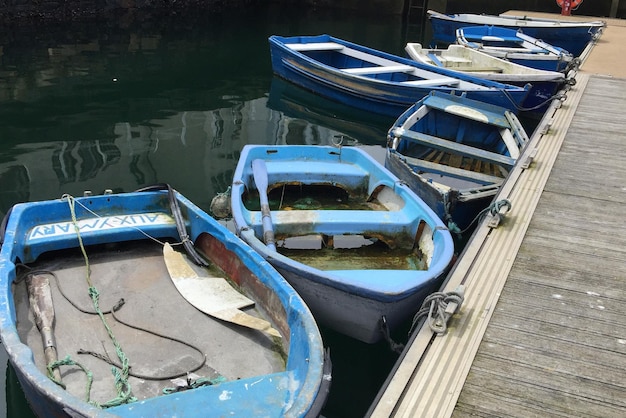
[{"x": 438, "y": 307}]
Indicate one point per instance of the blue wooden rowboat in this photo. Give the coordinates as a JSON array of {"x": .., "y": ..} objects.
[
  {"x": 357, "y": 244},
  {"x": 257, "y": 353},
  {"x": 373, "y": 80},
  {"x": 544, "y": 84},
  {"x": 572, "y": 36},
  {"x": 454, "y": 153},
  {"x": 515, "y": 46}
]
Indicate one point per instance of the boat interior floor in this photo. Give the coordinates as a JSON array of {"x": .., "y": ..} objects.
[
  {"x": 465, "y": 163},
  {"x": 136, "y": 273}
]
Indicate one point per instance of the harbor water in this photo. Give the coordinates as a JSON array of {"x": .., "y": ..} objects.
[{"x": 128, "y": 103}]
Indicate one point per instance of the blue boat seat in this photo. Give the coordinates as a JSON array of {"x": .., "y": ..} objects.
[{"x": 333, "y": 222}]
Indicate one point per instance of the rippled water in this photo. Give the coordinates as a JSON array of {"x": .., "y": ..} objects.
[{"x": 123, "y": 105}]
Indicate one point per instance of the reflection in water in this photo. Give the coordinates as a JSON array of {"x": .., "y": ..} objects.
[
  {"x": 111, "y": 106},
  {"x": 322, "y": 121}
]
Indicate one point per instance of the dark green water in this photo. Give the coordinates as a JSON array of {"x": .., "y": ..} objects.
[{"x": 124, "y": 105}]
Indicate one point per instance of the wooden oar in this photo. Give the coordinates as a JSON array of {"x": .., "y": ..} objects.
[
  {"x": 40, "y": 298},
  {"x": 259, "y": 171},
  {"x": 212, "y": 295}
]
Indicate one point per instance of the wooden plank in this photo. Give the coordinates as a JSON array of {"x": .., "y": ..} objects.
[
  {"x": 565, "y": 271},
  {"x": 434, "y": 167},
  {"x": 457, "y": 148}
]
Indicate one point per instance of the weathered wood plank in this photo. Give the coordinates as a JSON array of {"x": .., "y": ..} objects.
[{"x": 555, "y": 345}]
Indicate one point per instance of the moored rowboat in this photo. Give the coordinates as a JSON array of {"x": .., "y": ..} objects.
[
  {"x": 373, "y": 80},
  {"x": 91, "y": 286},
  {"x": 359, "y": 246},
  {"x": 571, "y": 35},
  {"x": 544, "y": 84},
  {"x": 454, "y": 153}
]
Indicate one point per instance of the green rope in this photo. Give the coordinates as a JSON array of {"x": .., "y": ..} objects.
[
  {"x": 67, "y": 361},
  {"x": 124, "y": 392}
]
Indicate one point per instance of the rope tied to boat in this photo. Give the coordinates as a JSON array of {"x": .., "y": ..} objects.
[
  {"x": 124, "y": 391},
  {"x": 557, "y": 96},
  {"x": 494, "y": 209},
  {"x": 438, "y": 307}
]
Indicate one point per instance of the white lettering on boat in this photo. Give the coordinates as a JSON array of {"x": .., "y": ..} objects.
[{"x": 100, "y": 224}]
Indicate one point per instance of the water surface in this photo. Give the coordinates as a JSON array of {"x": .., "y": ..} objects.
[{"x": 122, "y": 105}]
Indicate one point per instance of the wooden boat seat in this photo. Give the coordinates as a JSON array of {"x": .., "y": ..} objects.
[
  {"x": 471, "y": 170},
  {"x": 379, "y": 70},
  {"x": 459, "y": 149},
  {"x": 316, "y": 46},
  {"x": 445, "y": 81}
]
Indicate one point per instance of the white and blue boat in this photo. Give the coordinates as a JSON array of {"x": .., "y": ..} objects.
[
  {"x": 373, "y": 80},
  {"x": 454, "y": 153},
  {"x": 515, "y": 46},
  {"x": 570, "y": 35},
  {"x": 356, "y": 243},
  {"x": 102, "y": 316},
  {"x": 545, "y": 85}
]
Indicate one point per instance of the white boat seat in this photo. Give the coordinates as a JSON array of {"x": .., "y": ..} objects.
[
  {"x": 379, "y": 70},
  {"x": 316, "y": 46},
  {"x": 443, "y": 81}
]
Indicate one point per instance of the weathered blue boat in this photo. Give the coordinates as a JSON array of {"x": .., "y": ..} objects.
[
  {"x": 101, "y": 317},
  {"x": 515, "y": 46},
  {"x": 572, "y": 36},
  {"x": 357, "y": 244},
  {"x": 373, "y": 80},
  {"x": 454, "y": 153}
]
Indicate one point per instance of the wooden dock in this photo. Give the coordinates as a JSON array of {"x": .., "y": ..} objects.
[{"x": 542, "y": 329}]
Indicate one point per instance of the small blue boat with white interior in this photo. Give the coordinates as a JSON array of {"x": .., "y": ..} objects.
[
  {"x": 356, "y": 243},
  {"x": 571, "y": 35},
  {"x": 103, "y": 315},
  {"x": 515, "y": 46},
  {"x": 373, "y": 80},
  {"x": 454, "y": 153}
]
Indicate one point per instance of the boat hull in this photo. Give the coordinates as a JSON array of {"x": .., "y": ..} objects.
[
  {"x": 346, "y": 293},
  {"x": 571, "y": 36},
  {"x": 39, "y": 231},
  {"x": 387, "y": 94}
]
